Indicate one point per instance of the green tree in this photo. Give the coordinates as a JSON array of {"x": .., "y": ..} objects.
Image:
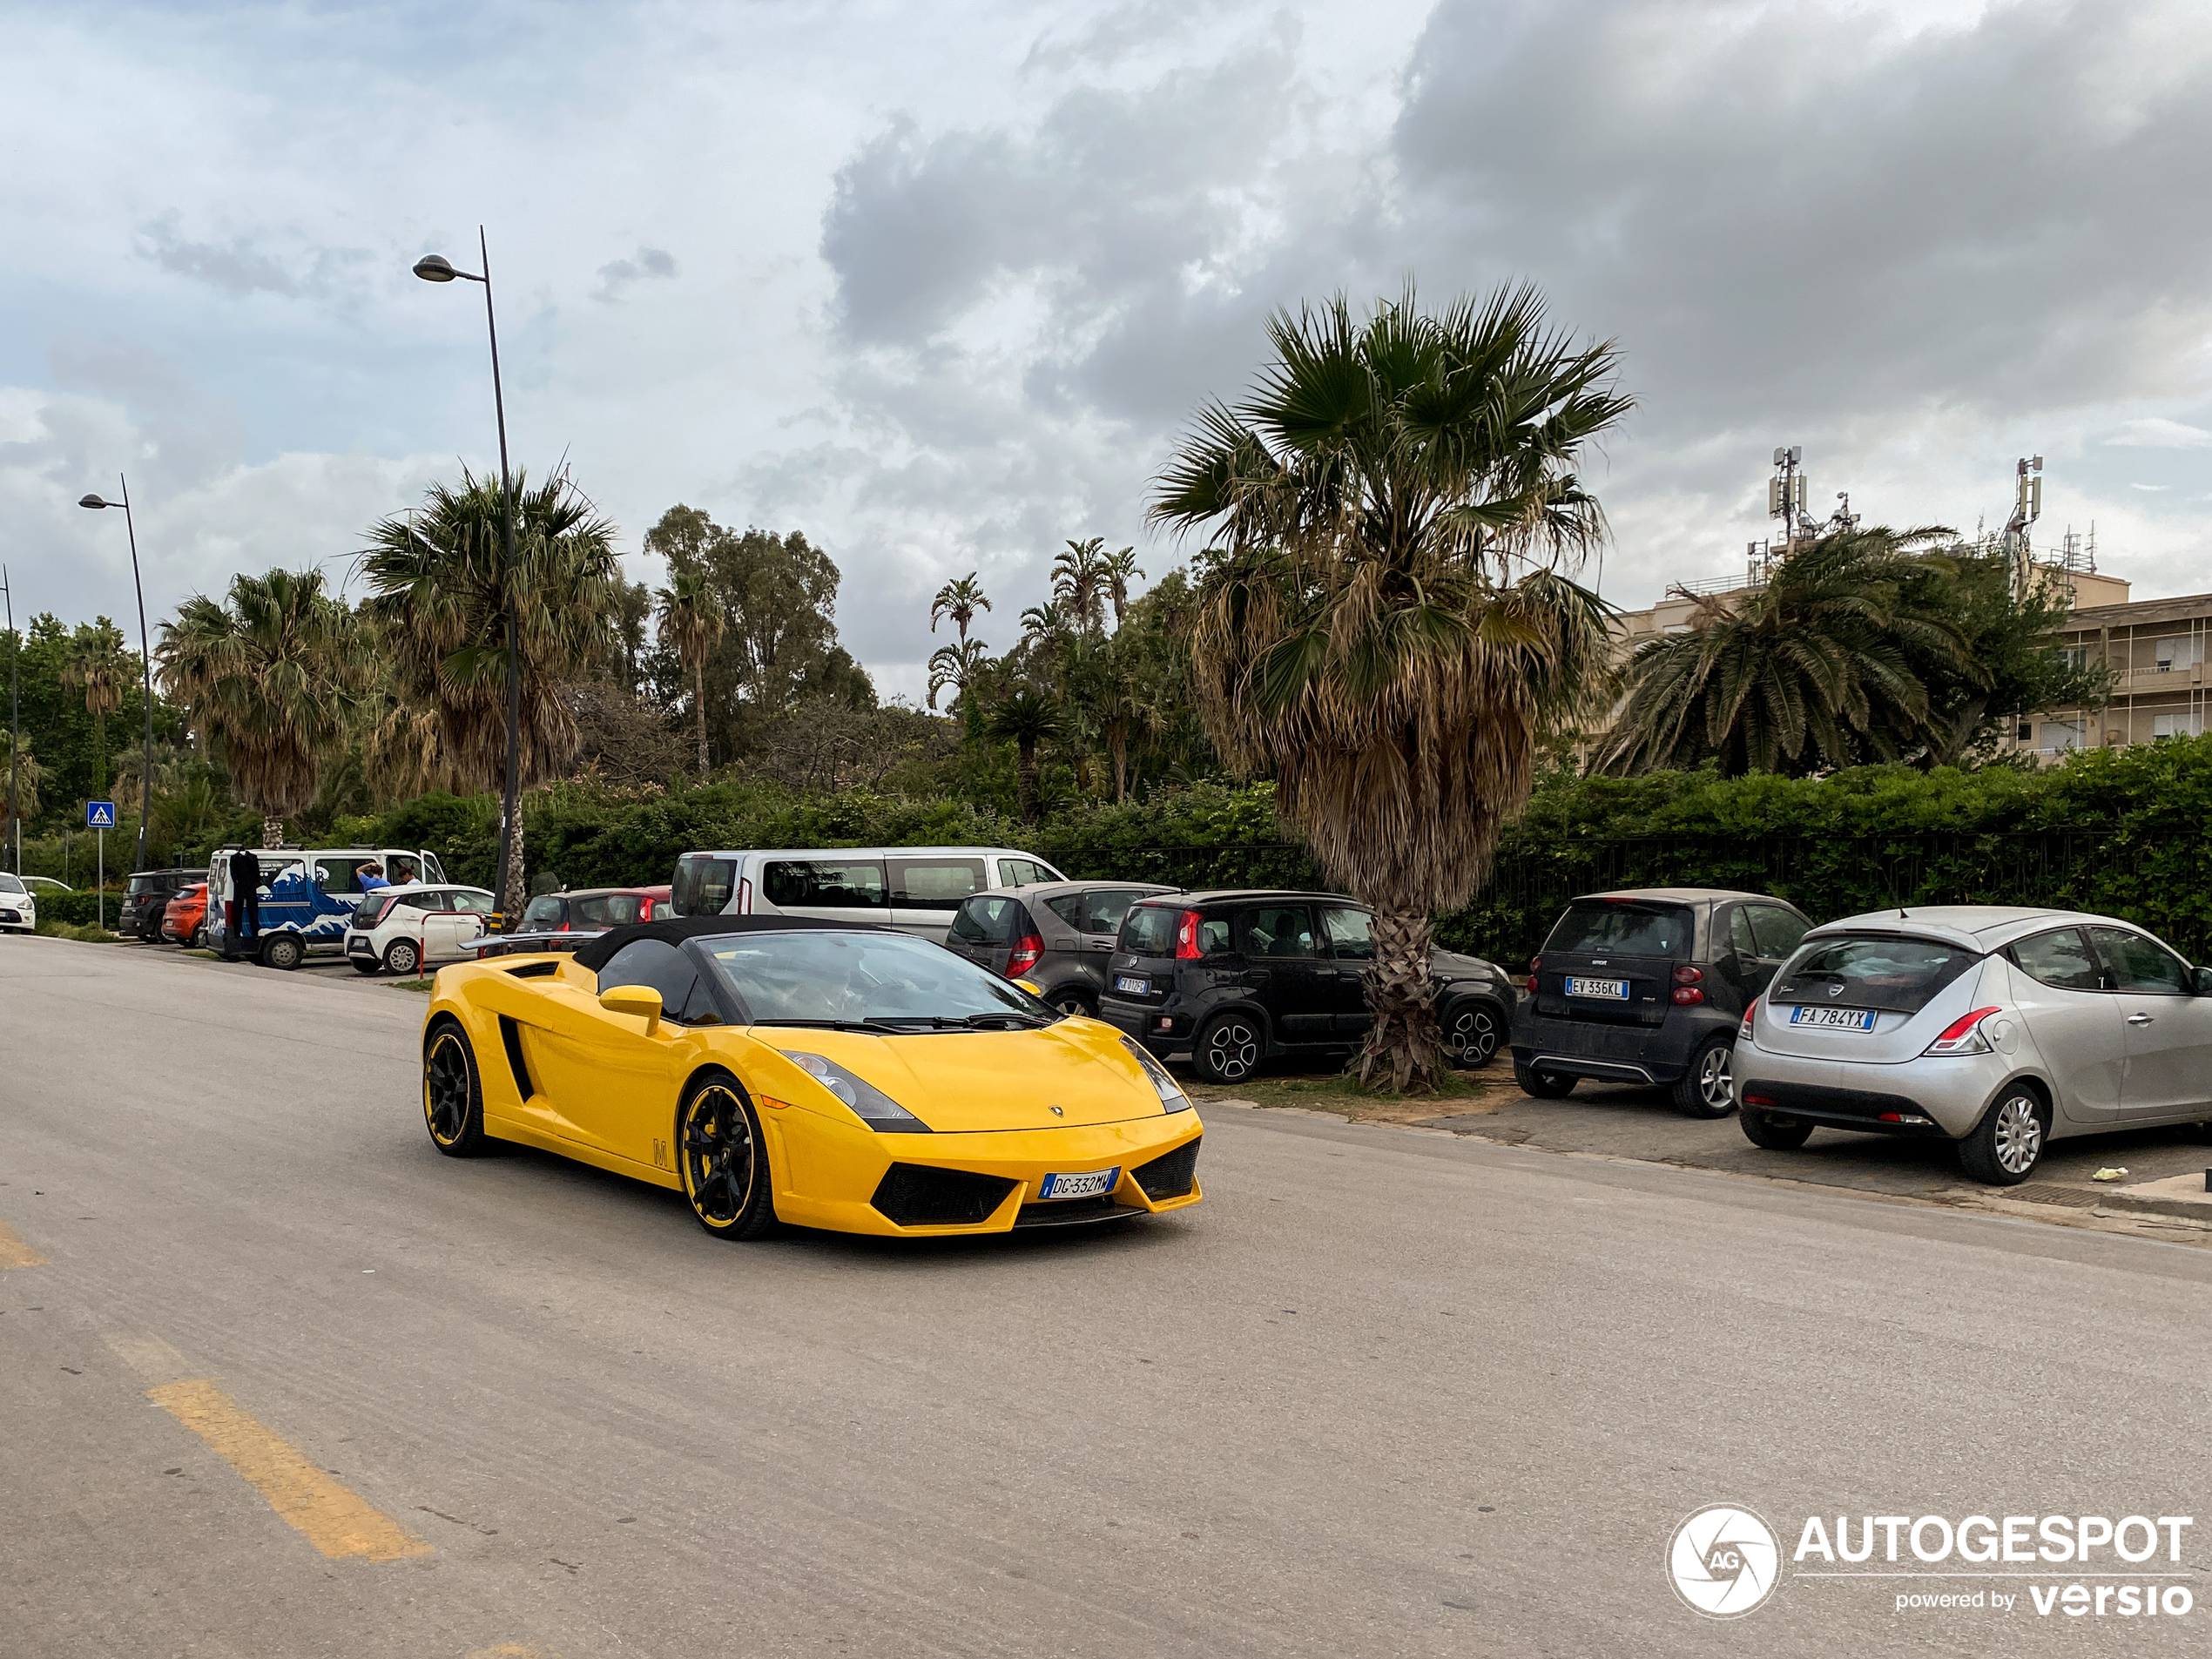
[
  {"x": 27, "y": 774},
  {"x": 692, "y": 620},
  {"x": 959, "y": 601},
  {"x": 1825, "y": 666},
  {"x": 1081, "y": 582},
  {"x": 1385, "y": 632},
  {"x": 1121, "y": 572},
  {"x": 272, "y": 675},
  {"x": 439, "y": 585},
  {"x": 960, "y": 666},
  {"x": 1026, "y": 719},
  {"x": 98, "y": 666}
]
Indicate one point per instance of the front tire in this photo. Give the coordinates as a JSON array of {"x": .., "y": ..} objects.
[
  {"x": 1541, "y": 1085},
  {"x": 365, "y": 969},
  {"x": 403, "y": 956},
  {"x": 1472, "y": 1032},
  {"x": 453, "y": 1096},
  {"x": 1708, "y": 1087},
  {"x": 722, "y": 1158},
  {"x": 2003, "y": 1150},
  {"x": 1761, "y": 1130},
  {"x": 1076, "y": 1005},
  {"x": 1229, "y": 1049}
]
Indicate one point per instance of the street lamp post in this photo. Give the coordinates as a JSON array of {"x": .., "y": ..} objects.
[
  {"x": 14, "y": 718},
  {"x": 434, "y": 268},
  {"x": 146, "y": 661}
]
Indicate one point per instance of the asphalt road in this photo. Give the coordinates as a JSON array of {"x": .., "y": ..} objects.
[{"x": 1385, "y": 1393}]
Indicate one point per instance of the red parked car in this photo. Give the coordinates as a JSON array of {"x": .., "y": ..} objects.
[{"x": 187, "y": 914}]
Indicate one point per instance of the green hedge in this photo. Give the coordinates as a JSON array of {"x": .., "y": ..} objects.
[
  {"x": 81, "y": 908},
  {"x": 2122, "y": 831}
]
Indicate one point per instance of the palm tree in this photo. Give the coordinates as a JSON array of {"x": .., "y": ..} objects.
[
  {"x": 440, "y": 594},
  {"x": 1025, "y": 719},
  {"x": 960, "y": 666},
  {"x": 272, "y": 674},
  {"x": 1121, "y": 572},
  {"x": 960, "y": 600},
  {"x": 1080, "y": 582},
  {"x": 1816, "y": 668},
  {"x": 28, "y": 771},
  {"x": 1045, "y": 624},
  {"x": 691, "y": 620},
  {"x": 1386, "y": 631},
  {"x": 95, "y": 661}
]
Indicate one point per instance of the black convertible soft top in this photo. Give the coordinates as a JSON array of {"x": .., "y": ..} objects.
[{"x": 596, "y": 954}]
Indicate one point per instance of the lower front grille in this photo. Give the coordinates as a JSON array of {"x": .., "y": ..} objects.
[
  {"x": 1063, "y": 1213},
  {"x": 1170, "y": 1175},
  {"x": 915, "y": 1195}
]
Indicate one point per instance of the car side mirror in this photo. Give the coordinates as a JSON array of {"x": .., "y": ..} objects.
[
  {"x": 2204, "y": 981},
  {"x": 642, "y": 1001}
]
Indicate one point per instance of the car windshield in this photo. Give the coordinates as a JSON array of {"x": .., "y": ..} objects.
[
  {"x": 9, "y": 884},
  {"x": 1622, "y": 927},
  {"x": 836, "y": 978},
  {"x": 1870, "y": 971},
  {"x": 1149, "y": 929},
  {"x": 370, "y": 907}
]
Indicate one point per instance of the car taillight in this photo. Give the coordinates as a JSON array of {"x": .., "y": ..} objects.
[
  {"x": 1963, "y": 1034},
  {"x": 1186, "y": 937},
  {"x": 1024, "y": 955},
  {"x": 1743, "y": 1031},
  {"x": 1689, "y": 995},
  {"x": 744, "y": 895},
  {"x": 1534, "y": 963},
  {"x": 1689, "y": 975}
]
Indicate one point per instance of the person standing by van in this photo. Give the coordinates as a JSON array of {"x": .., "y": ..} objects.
[{"x": 244, "y": 917}]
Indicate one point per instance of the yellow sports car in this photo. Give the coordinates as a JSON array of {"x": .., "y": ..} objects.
[{"x": 830, "y": 1074}]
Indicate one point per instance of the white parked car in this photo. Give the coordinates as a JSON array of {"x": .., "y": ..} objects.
[
  {"x": 19, "y": 907},
  {"x": 401, "y": 929},
  {"x": 1999, "y": 1028}
]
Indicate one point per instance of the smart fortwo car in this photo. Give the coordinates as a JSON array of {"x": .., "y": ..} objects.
[
  {"x": 1999, "y": 1028},
  {"x": 832, "y": 1074}
]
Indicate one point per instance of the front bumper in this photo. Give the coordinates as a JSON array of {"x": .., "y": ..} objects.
[
  {"x": 835, "y": 1173},
  {"x": 1948, "y": 1093}
]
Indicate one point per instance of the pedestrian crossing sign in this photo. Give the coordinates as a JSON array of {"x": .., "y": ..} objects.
[{"x": 99, "y": 814}]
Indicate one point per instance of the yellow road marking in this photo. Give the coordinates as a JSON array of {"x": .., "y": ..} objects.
[
  {"x": 336, "y": 1521},
  {"x": 15, "y": 1253}
]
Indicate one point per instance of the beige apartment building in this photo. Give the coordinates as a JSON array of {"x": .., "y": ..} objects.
[{"x": 2156, "y": 647}]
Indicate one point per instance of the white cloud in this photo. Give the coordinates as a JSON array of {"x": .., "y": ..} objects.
[{"x": 2155, "y": 432}]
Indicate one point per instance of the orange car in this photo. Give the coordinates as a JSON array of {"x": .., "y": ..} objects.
[{"x": 182, "y": 923}]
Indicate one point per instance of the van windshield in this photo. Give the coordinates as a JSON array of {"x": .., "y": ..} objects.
[
  {"x": 1622, "y": 927},
  {"x": 1870, "y": 971}
]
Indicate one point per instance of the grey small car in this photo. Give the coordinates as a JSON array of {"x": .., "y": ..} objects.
[{"x": 1059, "y": 936}]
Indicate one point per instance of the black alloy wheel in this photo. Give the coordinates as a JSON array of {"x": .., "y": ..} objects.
[
  {"x": 452, "y": 1099},
  {"x": 1471, "y": 1034},
  {"x": 403, "y": 956},
  {"x": 1707, "y": 1087},
  {"x": 284, "y": 951},
  {"x": 1228, "y": 1049},
  {"x": 720, "y": 1157}
]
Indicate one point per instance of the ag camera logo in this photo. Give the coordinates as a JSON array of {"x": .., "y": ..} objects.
[{"x": 1723, "y": 1561}]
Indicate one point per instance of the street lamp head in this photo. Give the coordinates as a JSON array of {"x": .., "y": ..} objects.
[
  {"x": 95, "y": 502},
  {"x": 435, "y": 267}
]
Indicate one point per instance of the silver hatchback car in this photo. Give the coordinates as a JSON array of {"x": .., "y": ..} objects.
[
  {"x": 1999, "y": 1028},
  {"x": 1058, "y": 935}
]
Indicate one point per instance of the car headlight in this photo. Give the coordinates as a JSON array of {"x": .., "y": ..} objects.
[
  {"x": 1171, "y": 1095},
  {"x": 874, "y": 1107}
]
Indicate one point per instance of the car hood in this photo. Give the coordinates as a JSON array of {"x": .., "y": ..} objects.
[
  {"x": 977, "y": 1082},
  {"x": 1450, "y": 964}
]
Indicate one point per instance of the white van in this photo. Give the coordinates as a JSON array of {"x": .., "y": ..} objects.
[
  {"x": 307, "y": 895},
  {"x": 916, "y": 889}
]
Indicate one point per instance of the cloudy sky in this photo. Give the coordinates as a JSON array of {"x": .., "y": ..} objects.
[{"x": 939, "y": 284}]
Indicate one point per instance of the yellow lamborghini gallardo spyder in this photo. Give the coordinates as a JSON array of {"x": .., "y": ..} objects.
[{"x": 819, "y": 1073}]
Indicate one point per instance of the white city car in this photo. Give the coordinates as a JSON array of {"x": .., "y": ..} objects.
[
  {"x": 18, "y": 909},
  {"x": 1999, "y": 1028},
  {"x": 401, "y": 929}
]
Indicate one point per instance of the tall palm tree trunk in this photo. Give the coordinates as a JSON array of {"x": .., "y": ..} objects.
[
  {"x": 1118, "y": 742},
  {"x": 99, "y": 752},
  {"x": 513, "y": 901},
  {"x": 272, "y": 830},
  {"x": 1026, "y": 775},
  {"x": 698, "y": 701},
  {"x": 1402, "y": 1038}
]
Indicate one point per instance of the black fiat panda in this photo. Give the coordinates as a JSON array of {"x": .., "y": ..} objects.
[
  {"x": 1238, "y": 977},
  {"x": 1648, "y": 986}
]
